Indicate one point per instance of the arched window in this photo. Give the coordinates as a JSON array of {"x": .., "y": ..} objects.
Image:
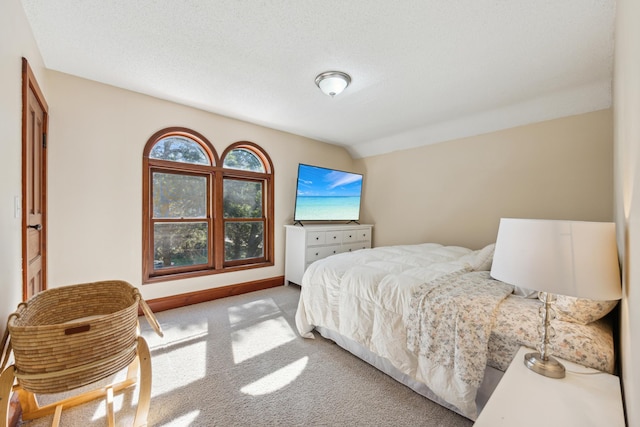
[
  {"x": 247, "y": 190},
  {"x": 201, "y": 216}
]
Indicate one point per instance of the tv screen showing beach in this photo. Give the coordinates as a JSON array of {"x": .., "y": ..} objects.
[{"x": 327, "y": 194}]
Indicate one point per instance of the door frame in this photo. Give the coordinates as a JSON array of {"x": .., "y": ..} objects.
[{"x": 29, "y": 82}]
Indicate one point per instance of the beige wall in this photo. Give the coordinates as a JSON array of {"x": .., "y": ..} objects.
[
  {"x": 16, "y": 42},
  {"x": 627, "y": 196},
  {"x": 456, "y": 192},
  {"x": 97, "y": 134}
]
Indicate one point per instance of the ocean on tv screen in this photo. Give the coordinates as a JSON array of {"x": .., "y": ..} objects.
[{"x": 327, "y": 208}]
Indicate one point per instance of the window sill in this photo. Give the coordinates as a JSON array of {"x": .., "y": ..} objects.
[{"x": 200, "y": 273}]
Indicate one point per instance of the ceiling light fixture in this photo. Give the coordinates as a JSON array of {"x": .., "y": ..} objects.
[{"x": 333, "y": 83}]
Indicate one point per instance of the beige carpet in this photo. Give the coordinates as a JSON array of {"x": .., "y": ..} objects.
[{"x": 239, "y": 362}]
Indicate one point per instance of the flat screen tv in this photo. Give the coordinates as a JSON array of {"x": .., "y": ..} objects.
[{"x": 324, "y": 194}]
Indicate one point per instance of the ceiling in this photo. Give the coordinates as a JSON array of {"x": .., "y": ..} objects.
[{"x": 423, "y": 71}]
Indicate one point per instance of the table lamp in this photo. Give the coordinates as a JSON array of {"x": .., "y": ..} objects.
[{"x": 572, "y": 258}]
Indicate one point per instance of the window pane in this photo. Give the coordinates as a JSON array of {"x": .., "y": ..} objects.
[
  {"x": 179, "y": 244},
  {"x": 179, "y": 196},
  {"x": 242, "y": 199},
  {"x": 179, "y": 149},
  {"x": 243, "y": 240},
  {"x": 241, "y": 158}
]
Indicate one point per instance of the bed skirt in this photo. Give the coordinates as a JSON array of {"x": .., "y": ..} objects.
[{"x": 491, "y": 375}]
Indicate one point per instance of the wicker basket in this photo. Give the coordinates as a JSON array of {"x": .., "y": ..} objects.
[{"x": 71, "y": 336}]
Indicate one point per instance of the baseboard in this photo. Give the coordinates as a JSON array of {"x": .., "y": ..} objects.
[{"x": 182, "y": 300}]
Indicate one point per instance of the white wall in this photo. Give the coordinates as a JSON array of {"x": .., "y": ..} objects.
[
  {"x": 96, "y": 137},
  {"x": 627, "y": 185},
  {"x": 16, "y": 42}
]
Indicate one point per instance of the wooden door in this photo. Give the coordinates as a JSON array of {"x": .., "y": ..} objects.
[{"x": 34, "y": 185}]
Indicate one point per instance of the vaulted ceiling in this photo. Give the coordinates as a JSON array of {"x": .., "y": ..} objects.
[{"x": 423, "y": 71}]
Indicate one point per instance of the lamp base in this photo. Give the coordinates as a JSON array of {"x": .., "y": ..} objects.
[{"x": 549, "y": 368}]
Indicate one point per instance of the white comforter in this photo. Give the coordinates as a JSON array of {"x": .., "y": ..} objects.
[{"x": 366, "y": 296}]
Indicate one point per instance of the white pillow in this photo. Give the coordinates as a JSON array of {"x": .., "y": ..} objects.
[{"x": 484, "y": 258}]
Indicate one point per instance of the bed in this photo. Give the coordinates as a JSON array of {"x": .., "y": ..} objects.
[{"x": 432, "y": 317}]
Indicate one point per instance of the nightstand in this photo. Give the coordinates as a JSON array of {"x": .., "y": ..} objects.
[{"x": 525, "y": 398}]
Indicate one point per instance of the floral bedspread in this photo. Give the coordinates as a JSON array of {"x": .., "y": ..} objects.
[
  {"x": 366, "y": 297},
  {"x": 448, "y": 329}
]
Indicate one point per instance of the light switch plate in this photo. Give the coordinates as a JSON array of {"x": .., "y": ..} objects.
[{"x": 17, "y": 206}]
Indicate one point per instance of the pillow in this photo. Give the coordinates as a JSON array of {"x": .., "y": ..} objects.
[
  {"x": 582, "y": 311},
  {"x": 484, "y": 258}
]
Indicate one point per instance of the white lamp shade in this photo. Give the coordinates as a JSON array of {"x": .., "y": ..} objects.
[{"x": 573, "y": 258}]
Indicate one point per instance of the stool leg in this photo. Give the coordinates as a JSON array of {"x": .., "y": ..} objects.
[
  {"x": 6, "y": 384},
  {"x": 56, "y": 416},
  {"x": 132, "y": 370},
  {"x": 111, "y": 419},
  {"x": 144, "y": 397}
]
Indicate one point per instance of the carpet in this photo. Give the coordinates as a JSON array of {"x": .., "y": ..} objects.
[{"x": 238, "y": 361}]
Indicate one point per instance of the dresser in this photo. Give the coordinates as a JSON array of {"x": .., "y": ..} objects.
[{"x": 309, "y": 243}]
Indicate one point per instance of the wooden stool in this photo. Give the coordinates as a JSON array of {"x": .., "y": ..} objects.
[
  {"x": 69, "y": 337},
  {"x": 139, "y": 371}
]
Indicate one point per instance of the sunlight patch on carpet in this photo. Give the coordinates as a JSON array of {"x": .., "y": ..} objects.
[
  {"x": 178, "y": 374},
  {"x": 252, "y": 310},
  {"x": 276, "y": 380},
  {"x": 260, "y": 338},
  {"x": 188, "y": 419}
]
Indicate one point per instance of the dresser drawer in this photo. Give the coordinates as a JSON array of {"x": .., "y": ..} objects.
[
  {"x": 316, "y": 238},
  {"x": 363, "y": 235},
  {"x": 356, "y": 235},
  {"x": 333, "y": 237},
  {"x": 349, "y": 236},
  {"x": 356, "y": 246},
  {"x": 335, "y": 249},
  {"x": 314, "y": 254}
]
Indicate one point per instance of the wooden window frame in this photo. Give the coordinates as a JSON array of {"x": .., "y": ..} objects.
[{"x": 216, "y": 174}]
